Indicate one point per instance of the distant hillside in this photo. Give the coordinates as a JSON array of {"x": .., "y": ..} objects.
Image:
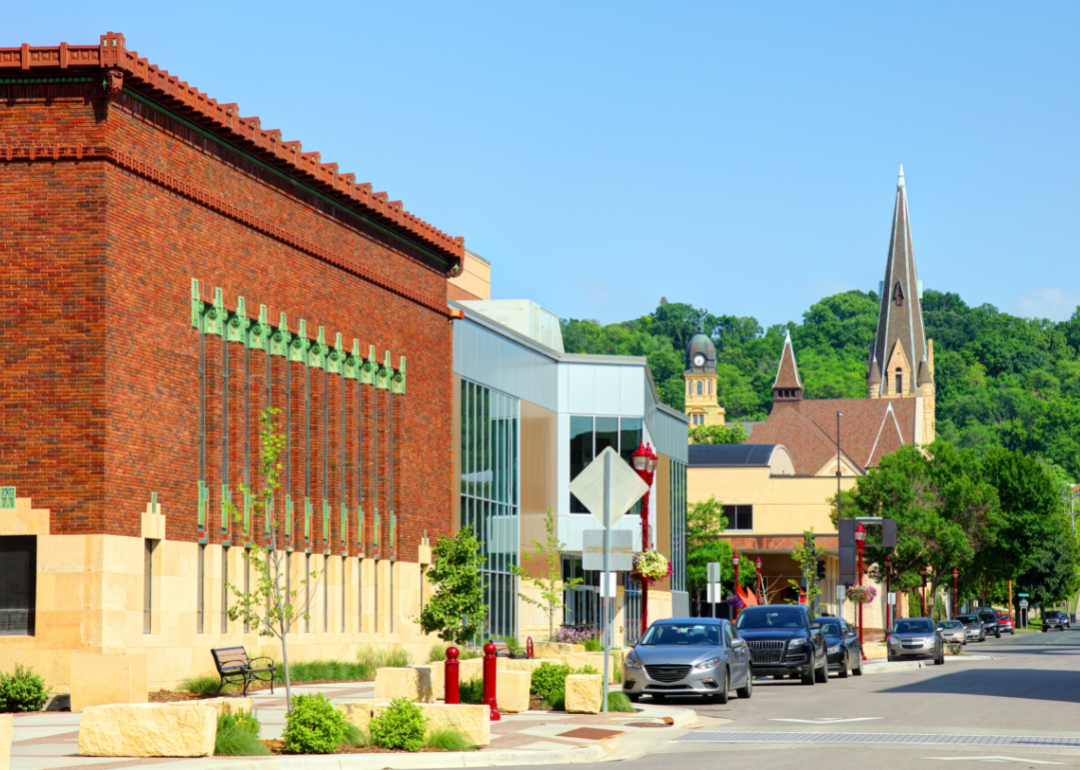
[{"x": 1001, "y": 380}]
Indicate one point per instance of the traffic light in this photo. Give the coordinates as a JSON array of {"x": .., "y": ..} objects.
[{"x": 820, "y": 569}]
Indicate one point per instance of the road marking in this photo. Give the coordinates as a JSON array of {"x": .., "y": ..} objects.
[
  {"x": 826, "y": 720},
  {"x": 996, "y": 759}
]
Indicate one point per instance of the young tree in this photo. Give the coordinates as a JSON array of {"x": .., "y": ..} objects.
[
  {"x": 807, "y": 556},
  {"x": 456, "y": 611},
  {"x": 269, "y": 605},
  {"x": 705, "y": 522},
  {"x": 551, "y": 584}
]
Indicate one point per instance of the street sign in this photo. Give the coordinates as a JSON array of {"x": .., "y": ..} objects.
[
  {"x": 712, "y": 572},
  {"x": 1023, "y": 595},
  {"x": 620, "y": 553},
  {"x": 1023, "y": 604},
  {"x": 892, "y": 597},
  {"x": 609, "y": 583},
  {"x": 714, "y": 596},
  {"x": 624, "y": 487}
]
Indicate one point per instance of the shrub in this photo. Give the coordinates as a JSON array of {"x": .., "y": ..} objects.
[
  {"x": 313, "y": 726},
  {"x": 617, "y": 701},
  {"x": 402, "y": 726},
  {"x": 238, "y": 736},
  {"x": 22, "y": 690},
  {"x": 204, "y": 685},
  {"x": 448, "y": 739},
  {"x": 593, "y": 645},
  {"x": 549, "y": 678},
  {"x": 571, "y": 635},
  {"x": 471, "y": 691}
]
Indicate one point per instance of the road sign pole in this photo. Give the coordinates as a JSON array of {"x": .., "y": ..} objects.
[{"x": 604, "y": 580}]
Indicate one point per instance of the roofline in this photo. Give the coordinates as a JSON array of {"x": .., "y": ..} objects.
[
  {"x": 245, "y": 135},
  {"x": 474, "y": 255}
]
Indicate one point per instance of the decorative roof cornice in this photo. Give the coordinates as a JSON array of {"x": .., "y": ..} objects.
[{"x": 112, "y": 56}]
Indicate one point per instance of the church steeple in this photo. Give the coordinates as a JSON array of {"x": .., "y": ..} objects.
[
  {"x": 788, "y": 385},
  {"x": 900, "y": 346}
]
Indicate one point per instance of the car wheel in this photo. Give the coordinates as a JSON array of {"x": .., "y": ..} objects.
[
  {"x": 822, "y": 674},
  {"x": 722, "y": 696},
  {"x": 748, "y": 689},
  {"x": 858, "y": 670},
  {"x": 808, "y": 677},
  {"x": 892, "y": 658},
  {"x": 1044, "y": 629},
  {"x": 997, "y": 634},
  {"x": 844, "y": 667}
]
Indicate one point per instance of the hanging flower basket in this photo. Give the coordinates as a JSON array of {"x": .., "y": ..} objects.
[
  {"x": 735, "y": 601},
  {"x": 650, "y": 566},
  {"x": 862, "y": 594}
]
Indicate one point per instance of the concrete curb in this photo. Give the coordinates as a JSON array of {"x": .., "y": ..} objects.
[
  {"x": 885, "y": 666},
  {"x": 569, "y": 756}
]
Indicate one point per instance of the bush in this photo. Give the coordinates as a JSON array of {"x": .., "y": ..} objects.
[
  {"x": 593, "y": 645},
  {"x": 22, "y": 690},
  {"x": 313, "y": 726},
  {"x": 448, "y": 739},
  {"x": 402, "y": 726},
  {"x": 549, "y": 678},
  {"x": 617, "y": 701},
  {"x": 238, "y": 736},
  {"x": 571, "y": 635},
  {"x": 471, "y": 691},
  {"x": 204, "y": 685}
]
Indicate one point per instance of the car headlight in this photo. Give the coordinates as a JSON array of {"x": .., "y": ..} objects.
[
  {"x": 894, "y": 640},
  {"x": 707, "y": 664},
  {"x": 834, "y": 649},
  {"x": 797, "y": 642},
  {"x": 633, "y": 663}
]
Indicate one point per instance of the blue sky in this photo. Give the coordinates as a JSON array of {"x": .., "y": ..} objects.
[{"x": 738, "y": 156}]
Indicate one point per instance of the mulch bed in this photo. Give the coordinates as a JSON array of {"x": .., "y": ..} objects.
[
  {"x": 168, "y": 696},
  {"x": 173, "y": 696},
  {"x": 277, "y": 746}
]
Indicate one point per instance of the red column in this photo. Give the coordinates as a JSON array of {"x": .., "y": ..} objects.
[
  {"x": 452, "y": 671},
  {"x": 645, "y": 547},
  {"x": 490, "y": 673},
  {"x": 860, "y": 549}
]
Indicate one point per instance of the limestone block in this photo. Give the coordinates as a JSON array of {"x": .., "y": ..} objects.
[
  {"x": 425, "y": 684},
  {"x": 530, "y": 664},
  {"x": 393, "y": 683},
  {"x": 6, "y": 721},
  {"x": 584, "y": 694},
  {"x": 358, "y": 712},
  {"x": 546, "y": 649},
  {"x": 99, "y": 679},
  {"x": 148, "y": 730},
  {"x": 474, "y": 722},
  {"x": 512, "y": 691}
]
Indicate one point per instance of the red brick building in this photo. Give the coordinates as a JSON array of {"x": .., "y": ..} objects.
[{"x": 169, "y": 270}]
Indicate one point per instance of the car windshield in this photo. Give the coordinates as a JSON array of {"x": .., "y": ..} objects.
[
  {"x": 987, "y": 616},
  {"x": 831, "y": 628},
  {"x": 950, "y": 624},
  {"x": 914, "y": 627},
  {"x": 768, "y": 617},
  {"x": 967, "y": 619},
  {"x": 682, "y": 634},
  {"x": 1053, "y": 614}
]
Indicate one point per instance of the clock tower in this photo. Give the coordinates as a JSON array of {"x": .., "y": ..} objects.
[{"x": 700, "y": 376}]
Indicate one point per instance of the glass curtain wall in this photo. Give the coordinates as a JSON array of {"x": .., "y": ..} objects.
[
  {"x": 678, "y": 525},
  {"x": 589, "y": 436},
  {"x": 490, "y": 495}
]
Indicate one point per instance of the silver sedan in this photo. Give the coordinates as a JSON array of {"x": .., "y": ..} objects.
[
  {"x": 952, "y": 631},
  {"x": 916, "y": 638},
  {"x": 689, "y": 656}
]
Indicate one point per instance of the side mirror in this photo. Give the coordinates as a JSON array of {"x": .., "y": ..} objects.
[
  {"x": 815, "y": 626},
  {"x": 632, "y": 643},
  {"x": 738, "y": 644}
]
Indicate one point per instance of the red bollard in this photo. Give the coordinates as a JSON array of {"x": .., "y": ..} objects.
[
  {"x": 490, "y": 672},
  {"x": 452, "y": 675}
]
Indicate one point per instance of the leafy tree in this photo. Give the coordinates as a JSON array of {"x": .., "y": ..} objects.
[
  {"x": 547, "y": 556},
  {"x": 270, "y": 605},
  {"x": 456, "y": 611},
  {"x": 806, "y": 556},
  {"x": 718, "y": 434},
  {"x": 704, "y": 523}
]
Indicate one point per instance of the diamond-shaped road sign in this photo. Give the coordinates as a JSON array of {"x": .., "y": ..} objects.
[{"x": 624, "y": 487}]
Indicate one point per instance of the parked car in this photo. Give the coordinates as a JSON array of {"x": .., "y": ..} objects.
[
  {"x": 842, "y": 646},
  {"x": 973, "y": 628},
  {"x": 988, "y": 616},
  {"x": 1053, "y": 619},
  {"x": 785, "y": 640},
  {"x": 689, "y": 656},
  {"x": 916, "y": 638},
  {"x": 1005, "y": 623},
  {"x": 952, "y": 631}
]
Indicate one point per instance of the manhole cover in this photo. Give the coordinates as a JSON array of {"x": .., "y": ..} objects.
[{"x": 591, "y": 734}]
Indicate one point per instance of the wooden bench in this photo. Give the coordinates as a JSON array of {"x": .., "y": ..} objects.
[
  {"x": 234, "y": 667},
  {"x": 502, "y": 650}
]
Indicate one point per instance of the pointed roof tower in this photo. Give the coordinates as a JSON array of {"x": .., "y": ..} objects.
[
  {"x": 788, "y": 385},
  {"x": 900, "y": 320}
]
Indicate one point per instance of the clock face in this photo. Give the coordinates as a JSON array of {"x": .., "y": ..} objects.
[{"x": 699, "y": 359}]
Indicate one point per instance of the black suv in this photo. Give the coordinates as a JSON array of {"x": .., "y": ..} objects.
[
  {"x": 1055, "y": 619},
  {"x": 785, "y": 640},
  {"x": 989, "y": 620}
]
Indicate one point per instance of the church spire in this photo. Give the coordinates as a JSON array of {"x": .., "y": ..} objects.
[
  {"x": 900, "y": 344},
  {"x": 788, "y": 385}
]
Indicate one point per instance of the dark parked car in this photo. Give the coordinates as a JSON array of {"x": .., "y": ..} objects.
[
  {"x": 973, "y": 628},
  {"x": 916, "y": 638},
  {"x": 689, "y": 656},
  {"x": 1005, "y": 623},
  {"x": 785, "y": 640},
  {"x": 842, "y": 645},
  {"x": 988, "y": 616},
  {"x": 1053, "y": 619}
]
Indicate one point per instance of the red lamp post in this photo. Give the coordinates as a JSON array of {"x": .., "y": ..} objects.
[
  {"x": 645, "y": 465},
  {"x": 888, "y": 583},
  {"x": 860, "y": 543},
  {"x": 922, "y": 573},
  {"x": 955, "y": 574},
  {"x": 735, "y": 562},
  {"x": 760, "y": 593}
]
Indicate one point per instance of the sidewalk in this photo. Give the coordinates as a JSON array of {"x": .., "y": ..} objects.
[{"x": 49, "y": 741}]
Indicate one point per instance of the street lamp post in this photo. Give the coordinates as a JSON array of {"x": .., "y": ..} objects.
[
  {"x": 860, "y": 543},
  {"x": 955, "y": 573},
  {"x": 922, "y": 573},
  {"x": 888, "y": 585},
  {"x": 645, "y": 465},
  {"x": 735, "y": 562},
  {"x": 757, "y": 564}
]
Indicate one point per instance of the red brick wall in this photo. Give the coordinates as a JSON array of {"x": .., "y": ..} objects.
[{"x": 105, "y": 356}]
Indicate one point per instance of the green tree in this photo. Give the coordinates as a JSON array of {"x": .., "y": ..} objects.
[
  {"x": 718, "y": 434},
  {"x": 705, "y": 521},
  {"x": 548, "y": 557},
  {"x": 456, "y": 611},
  {"x": 806, "y": 556}
]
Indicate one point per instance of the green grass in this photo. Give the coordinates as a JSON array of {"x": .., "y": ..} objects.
[
  {"x": 437, "y": 653},
  {"x": 448, "y": 740},
  {"x": 204, "y": 685},
  {"x": 471, "y": 691},
  {"x": 361, "y": 670},
  {"x": 593, "y": 645},
  {"x": 617, "y": 701},
  {"x": 238, "y": 736},
  {"x": 354, "y": 736}
]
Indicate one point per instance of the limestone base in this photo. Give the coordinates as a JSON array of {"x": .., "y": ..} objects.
[
  {"x": 6, "y": 722},
  {"x": 584, "y": 694},
  {"x": 148, "y": 730}
]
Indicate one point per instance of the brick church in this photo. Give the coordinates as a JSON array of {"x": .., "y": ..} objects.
[{"x": 170, "y": 270}]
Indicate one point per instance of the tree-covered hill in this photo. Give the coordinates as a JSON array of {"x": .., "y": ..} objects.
[{"x": 1001, "y": 380}]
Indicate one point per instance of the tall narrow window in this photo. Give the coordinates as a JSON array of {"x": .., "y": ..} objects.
[
  {"x": 699, "y": 387},
  {"x": 18, "y": 585},
  {"x": 200, "y": 589},
  {"x": 899, "y": 382},
  {"x": 224, "y": 589},
  {"x": 307, "y": 593},
  {"x": 148, "y": 587}
]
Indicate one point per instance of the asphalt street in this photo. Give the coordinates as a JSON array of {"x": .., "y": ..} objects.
[{"x": 968, "y": 713}]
